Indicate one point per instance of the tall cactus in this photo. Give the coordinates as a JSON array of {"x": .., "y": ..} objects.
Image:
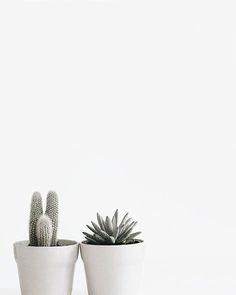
[
  {"x": 52, "y": 212},
  {"x": 43, "y": 227},
  {"x": 44, "y": 231},
  {"x": 35, "y": 212}
]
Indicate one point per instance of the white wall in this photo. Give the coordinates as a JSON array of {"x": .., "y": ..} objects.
[{"x": 124, "y": 104}]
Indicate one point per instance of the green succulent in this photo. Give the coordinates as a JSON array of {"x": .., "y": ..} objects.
[{"x": 109, "y": 232}]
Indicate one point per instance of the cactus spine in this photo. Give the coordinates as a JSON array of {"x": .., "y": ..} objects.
[{"x": 43, "y": 227}]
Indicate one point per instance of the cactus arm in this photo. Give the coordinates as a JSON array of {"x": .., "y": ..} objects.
[
  {"x": 35, "y": 212},
  {"x": 44, "y": 231},
  {"x": 52, "y": 212}
]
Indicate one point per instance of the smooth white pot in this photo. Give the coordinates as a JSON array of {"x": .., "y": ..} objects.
[
  {"x": 113, "y": 270},
  {"x": 46, "y": 270}
]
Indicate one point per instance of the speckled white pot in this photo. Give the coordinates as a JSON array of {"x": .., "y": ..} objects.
[
  {"x": 46, "y": 270},
  {"x": 113, "y": 270}
]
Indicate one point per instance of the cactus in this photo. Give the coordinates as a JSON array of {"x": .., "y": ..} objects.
[
  {"x": 52, "y": 212},
  {"x": 43, "y": 227},
  {"x": 35, "y": 212},
  {"x": 44, "y": 231},
  {"x": 109, "y": 232}
]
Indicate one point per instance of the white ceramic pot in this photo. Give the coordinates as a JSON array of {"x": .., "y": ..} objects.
[
  {"x": 113, "y": 270},
  {"x": 46, "y": 270}
]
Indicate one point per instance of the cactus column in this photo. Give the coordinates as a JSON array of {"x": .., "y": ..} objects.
[
  {"x": 52, "y": 213},
  {"x": 35, "y": 212}
]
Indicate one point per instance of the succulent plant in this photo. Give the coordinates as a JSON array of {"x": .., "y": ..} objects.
[
  {"x": 109, "y": 232},
  {"x": 43, "y": 227}
]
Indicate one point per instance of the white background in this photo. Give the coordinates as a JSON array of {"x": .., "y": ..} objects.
[{"x": 124, "y": 104}]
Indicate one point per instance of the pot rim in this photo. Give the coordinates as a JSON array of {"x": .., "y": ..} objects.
[
  {"x": 112, "y": 246},
  {"x": 25, "y": 243}
]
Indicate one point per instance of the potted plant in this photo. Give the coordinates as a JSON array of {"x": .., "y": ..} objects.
[
  {"x": 112, "y": 257},
  {"x": 45, "y": 264}
]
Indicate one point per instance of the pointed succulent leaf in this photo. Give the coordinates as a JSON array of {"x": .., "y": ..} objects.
[
  {"x": 113, "y": 240},
  {"x": 98, "y": 231},
  {"x": 99, "y": 238},
  {"x": 124, "y": 237},
  {"x": 125, "y": 226},
  {"x": 128, "y": 230},
  {"x": 130, "y": 226},
  {"x": 133, "y": 241},
  {"x": 113, "y": 222},
  {"x": 92, "y": 241},
  {"x": 88, "y": 235},
  {"x": 91, "y": 228},
  {"x": 94, "y": 237},
  {"x": 116, "y": 216},
  {"x": 138, "y": 241},
  {"x": 122, "y": 229},
  {"x": 124, "y": 219},
  {"x": 104, "y": 235},
  {"x": 132, "y": 236},
  {"x": 101, "y": 222},
  {"x": 129, "y": 241},
  {"x": 108, "y": 226},
  {"x": 128, "y": 221},
  {"x": 96, "y": 227},
  {"x": 116, "y": 233},
  {"x": 115, "y": 219}
]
